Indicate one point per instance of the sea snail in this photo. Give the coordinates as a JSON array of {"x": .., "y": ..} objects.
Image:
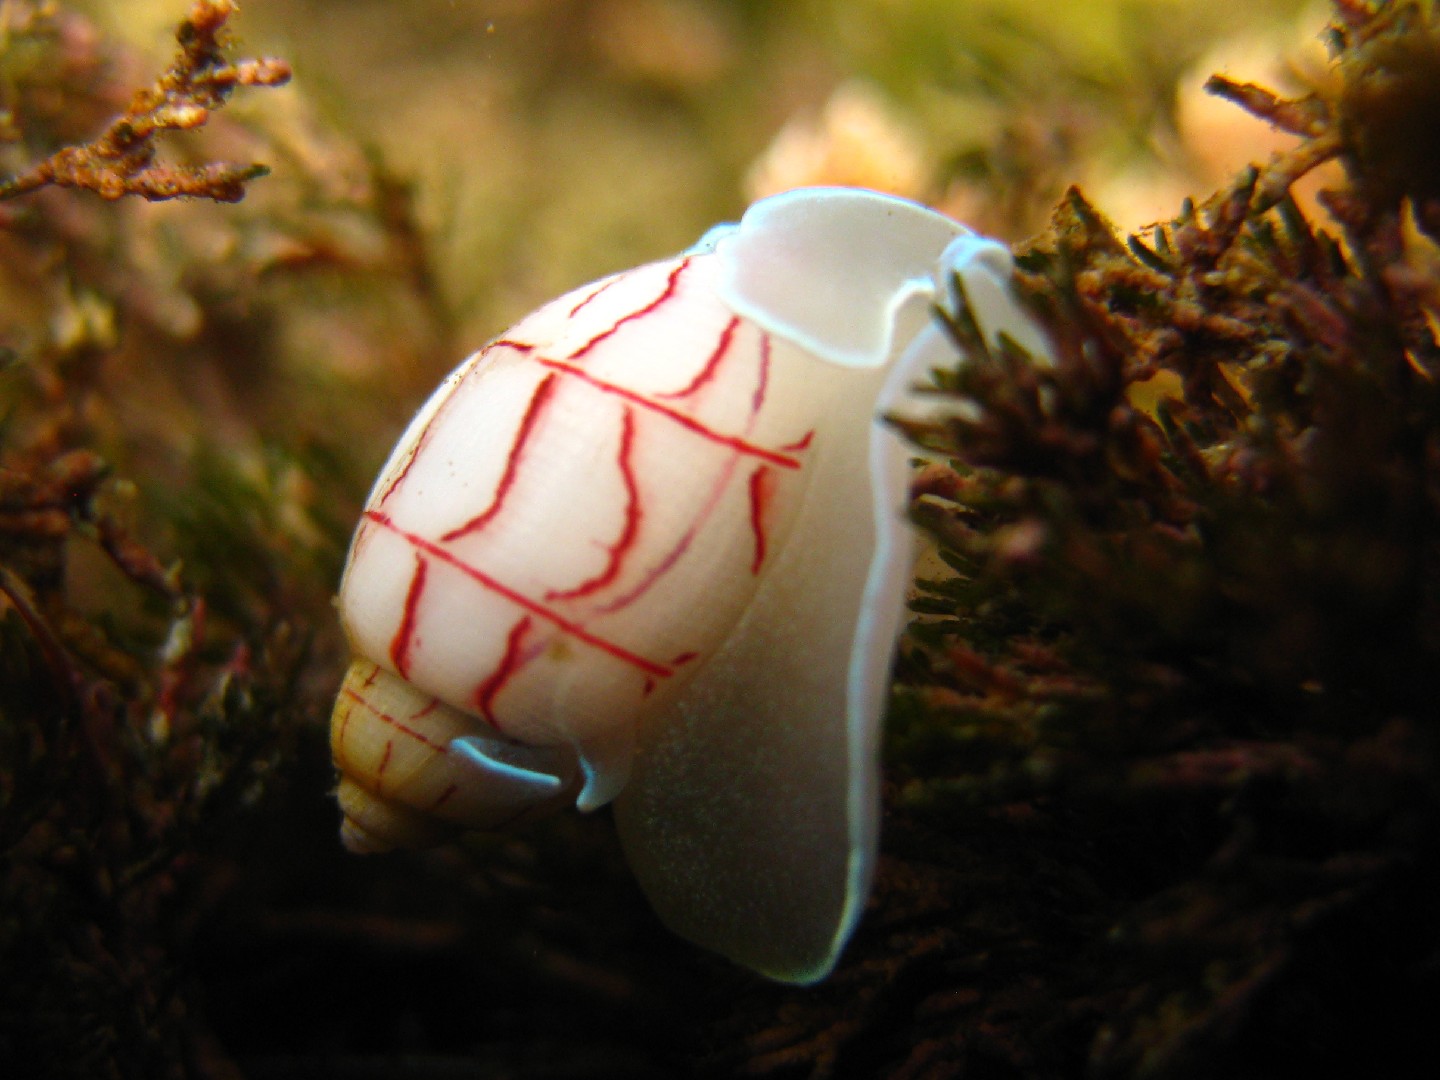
[{"x": 648, "y": 546}]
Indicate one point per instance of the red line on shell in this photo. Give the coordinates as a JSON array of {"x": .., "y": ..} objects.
[
  {"x": 802, "y": 443},
  {"x": 384, "y": 763},
  {"x": 762, "y": 491},
  {"x": 707, "y": 372},
  {"x": 576, "y": 309},
  {"x": 345, "y": 723},
  {"x": 660, "y": 569},
  {"x": 760, "y": 385},
  {"x": 405, "y": 469},
  {"x": 656, "y": 572},
  {"x": 404, "y": 639},
  {"x": 512, "y": 462},
  {"x": 510, "y": 663},
  {"x": 444, "y": 797},
  {"x": 399, "y": 726},
  {"x": 623, "y": 543},
  {"x": 687, "y": 422},
  {"x": 415, "y": 450},
  {"x": 574, "y": 629},
  {"x": 671, "y": 282}
]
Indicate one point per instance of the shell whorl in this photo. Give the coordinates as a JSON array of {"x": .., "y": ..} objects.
[{"x": 411, "y": 766}]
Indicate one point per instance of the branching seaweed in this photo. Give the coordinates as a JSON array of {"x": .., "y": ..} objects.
[
  {"x": 123, "y": 160},
  {"x": 129, "y": 728}
]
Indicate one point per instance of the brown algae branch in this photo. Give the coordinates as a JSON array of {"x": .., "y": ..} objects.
[{"x": 123, "y": 159}]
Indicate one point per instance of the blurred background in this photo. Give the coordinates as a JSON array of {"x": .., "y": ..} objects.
[
  {"x": 552, "y": 141},
  {"x": 442, "y": 167}
]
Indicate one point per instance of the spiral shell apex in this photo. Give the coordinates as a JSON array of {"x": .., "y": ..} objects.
[{"x": 648, "y": 546}]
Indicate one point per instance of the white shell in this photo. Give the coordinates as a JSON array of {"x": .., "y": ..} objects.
[{"x": 649, "y": 543}]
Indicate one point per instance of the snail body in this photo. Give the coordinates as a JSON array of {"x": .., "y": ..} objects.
[{"x": 648, "y": 546}]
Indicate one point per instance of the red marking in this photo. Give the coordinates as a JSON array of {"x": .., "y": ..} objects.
[
  {"x": 707, "y": 372},
  {"x": 570, "y": 627},
  {"x": 687, "y": 422},
  {"x": 682, "y": 545},
  {"x": 759, "y": 398},
  {"x": 659, "y": 570},
  {"x": 639, "y": 313},
  {"x": 800, "y": 444},
  {"x": 384, "y": 762},
  {"x": 762, "y": 491},
  {"x": 420, "y": 443},
  {"x": 404, "y": 639},
  {"x": 576, "y": 309},
  {"x": 626, "y": 538},
  {"x": 405, "y": 469},
  {"x": 684, "y": 658},
  {"x": 510, "y": 343},
  {"x": 512, "y": 462},
  {"x": 648, "y": 688},
  {"x": 510, "y": 662},
  {"x": 444, "y": 797},
  {"x": 345, "y": 724},
  {"x": 418, "y": 736}
]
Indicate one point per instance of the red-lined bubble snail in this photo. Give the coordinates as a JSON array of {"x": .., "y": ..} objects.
[{"x": 648, "y": 547}]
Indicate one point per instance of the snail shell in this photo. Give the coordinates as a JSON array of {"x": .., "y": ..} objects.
[{"x": 648, "y": 546}]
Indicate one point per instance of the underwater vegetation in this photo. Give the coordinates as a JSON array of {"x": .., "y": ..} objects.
[{"x": 1161, "y": 788}]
